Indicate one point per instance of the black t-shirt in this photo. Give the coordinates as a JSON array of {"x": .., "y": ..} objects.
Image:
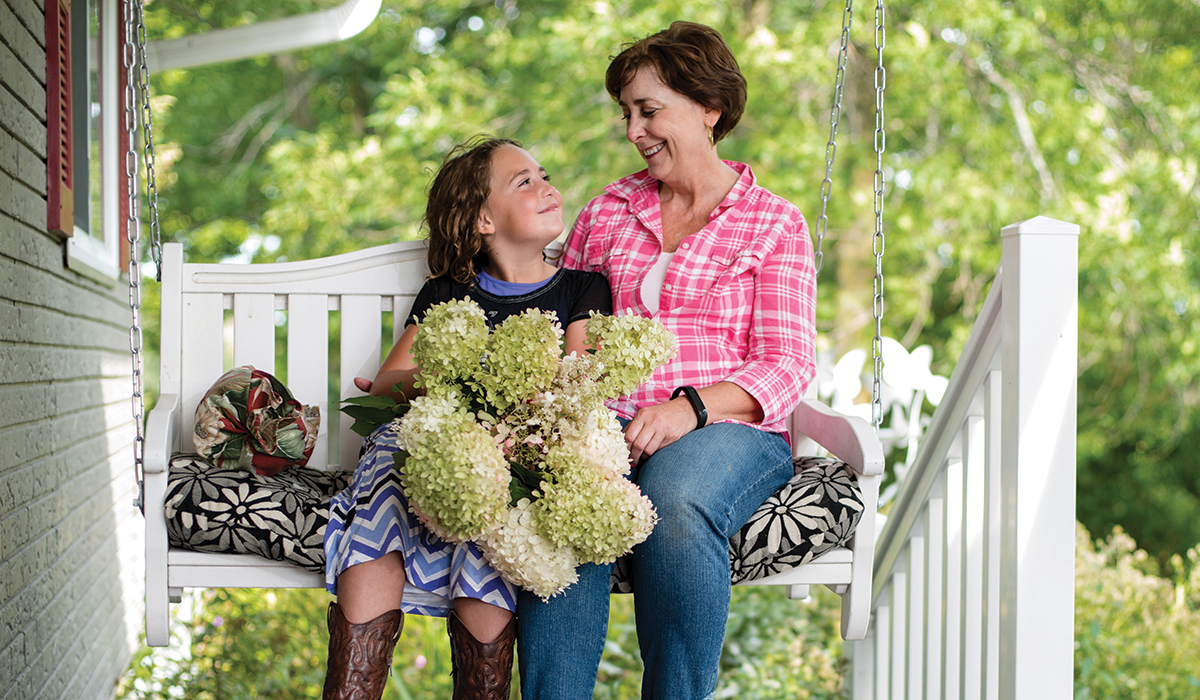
[{"x": 571, "y": 294}]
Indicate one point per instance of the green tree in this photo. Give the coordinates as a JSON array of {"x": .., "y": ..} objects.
[{"x": 995, "y": 112}]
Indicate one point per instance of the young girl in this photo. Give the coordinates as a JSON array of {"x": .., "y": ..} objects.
[{"x": 491, "y": 212}]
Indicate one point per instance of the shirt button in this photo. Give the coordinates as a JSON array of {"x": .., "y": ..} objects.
[
  {"x": 666, "y": 286},
  {"x": 685, "y": 245}
]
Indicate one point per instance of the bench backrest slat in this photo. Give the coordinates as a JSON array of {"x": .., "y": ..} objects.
[
  {"x": 254, "y": 331},
  {"x": 362, "y": 319},
  {"x": 308, "y": 363},
  {"x": 361, "y": 285}
]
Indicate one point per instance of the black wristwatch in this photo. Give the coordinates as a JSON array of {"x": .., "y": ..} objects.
[{"x": 697, "y": 405}]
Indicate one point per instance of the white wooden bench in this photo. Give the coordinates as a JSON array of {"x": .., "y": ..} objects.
[{"x": 362, "y": 286}]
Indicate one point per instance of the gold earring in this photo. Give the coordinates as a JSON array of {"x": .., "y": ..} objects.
[{"x": 712, "y": 137}]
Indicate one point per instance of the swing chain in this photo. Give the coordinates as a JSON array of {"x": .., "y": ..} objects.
[
  {"x": 835, "y": 116},
  {"x": 878, "y": 243},
  {"x": 137, "y": 92}
]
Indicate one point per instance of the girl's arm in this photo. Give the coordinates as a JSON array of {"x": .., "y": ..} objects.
[
  {"x": 398, "y": 368},
  {"x": 573, "y": 337}
]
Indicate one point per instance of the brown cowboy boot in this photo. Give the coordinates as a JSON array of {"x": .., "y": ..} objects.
[
  {"x": 360, "y": 656},
  {"x": 481, "y": 671}
]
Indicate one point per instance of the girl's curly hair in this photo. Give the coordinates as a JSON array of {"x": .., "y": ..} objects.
[{"x": 456, "y": 196}]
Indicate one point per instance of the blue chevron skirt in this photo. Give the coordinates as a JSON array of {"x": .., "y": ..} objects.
[{"x": 371, "y": 518}]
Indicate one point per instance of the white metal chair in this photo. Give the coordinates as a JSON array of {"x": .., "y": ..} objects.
[{"x": 362, "y": 286}]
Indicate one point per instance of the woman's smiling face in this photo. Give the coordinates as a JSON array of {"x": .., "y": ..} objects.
[{"x": 670, "y": 129}]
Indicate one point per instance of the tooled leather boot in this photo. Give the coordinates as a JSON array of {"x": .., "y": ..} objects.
[
  {"x": 481, "y": 671},
  {"x": 360, "y": 656}
]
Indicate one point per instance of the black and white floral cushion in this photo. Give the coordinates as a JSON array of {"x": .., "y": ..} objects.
[
  {"x": 230, "y": 510},
  {"x": 283, "y": 517}
]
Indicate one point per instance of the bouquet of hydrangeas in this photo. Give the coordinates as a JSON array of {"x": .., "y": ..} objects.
[{"x": 511, "y": 446}]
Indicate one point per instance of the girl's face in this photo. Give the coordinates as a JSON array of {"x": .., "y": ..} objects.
[
  {"x": 669, "y": 129},
  {"x": 522, "y": 207}
]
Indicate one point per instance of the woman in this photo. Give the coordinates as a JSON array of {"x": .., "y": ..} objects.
[{"x": 727, "y": 266}]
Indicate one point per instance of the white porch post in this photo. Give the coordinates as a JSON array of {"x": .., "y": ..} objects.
[{"x": 1039, "y": 359}]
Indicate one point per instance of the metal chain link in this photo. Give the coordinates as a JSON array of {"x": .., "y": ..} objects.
[
  {"x": 137, "y": 86},
  {"x": 835, "y": 116},
  {"x": 878, "y": 243},
  {"x": 148, "y": 142}
]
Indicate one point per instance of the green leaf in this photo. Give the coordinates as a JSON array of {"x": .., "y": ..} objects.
[
  {"x": 517, "y": 491},
  {"x": 378, "y": 416},
  {"x": 371, "y": 401}
]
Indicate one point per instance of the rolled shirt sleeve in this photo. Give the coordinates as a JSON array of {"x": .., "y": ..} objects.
[{"x": 782, "y": 339}]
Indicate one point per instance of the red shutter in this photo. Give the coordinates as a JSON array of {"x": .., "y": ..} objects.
[{"x": 60, "y": 213}]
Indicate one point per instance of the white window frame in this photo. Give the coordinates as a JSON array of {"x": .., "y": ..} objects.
[{"x": 99, "y": 256}]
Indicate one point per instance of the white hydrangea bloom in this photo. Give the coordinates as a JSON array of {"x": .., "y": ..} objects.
[{"x": 525, "y": 558}]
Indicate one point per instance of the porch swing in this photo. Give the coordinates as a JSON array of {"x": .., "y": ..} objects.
[{"x": 363, "y": 286}]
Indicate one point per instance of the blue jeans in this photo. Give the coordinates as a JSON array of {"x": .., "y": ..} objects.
[{"x": 704, "y": 487}]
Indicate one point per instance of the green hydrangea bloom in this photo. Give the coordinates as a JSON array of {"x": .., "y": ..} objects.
[
  {"x": 522, "y": 359},
  {"x": 599, "y": 515},
  {"x": 455, "y": 476},
  {"x": 450, "y": 342},
  {"x": 629, "y": 349},
  {"x": 527, "y": 559}
]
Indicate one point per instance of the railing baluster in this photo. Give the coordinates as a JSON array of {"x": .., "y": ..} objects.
[
  {"x": 883, "y": 639},
  {"x": 863, "y": 679},
  {"x": 916, "y": 610},
  {"x": 952, "y": 580},
  {"x": 899, "y": 637},
  {"x": 935, "y": 564},
  {"x": 991, "y": 542},
  {"x": 973, "y": 501}
]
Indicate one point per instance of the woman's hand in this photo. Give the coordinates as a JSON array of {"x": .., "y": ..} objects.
[{"x": 655, "y": 427}]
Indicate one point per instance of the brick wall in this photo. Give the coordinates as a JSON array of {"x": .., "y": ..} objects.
[{"x": 70, "y": 539}]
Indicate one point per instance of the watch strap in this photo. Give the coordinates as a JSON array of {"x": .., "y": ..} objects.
[{"x": 693, "y": 398}]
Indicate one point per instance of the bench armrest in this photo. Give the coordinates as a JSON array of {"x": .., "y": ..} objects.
[
  {"x": 162, "y": 433},
  {"x": 849, "y": 438}
]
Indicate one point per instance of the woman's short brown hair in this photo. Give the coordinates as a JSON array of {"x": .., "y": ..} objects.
[
  {"x": 456, "y": 196},
  {"x": 691, "y": 59}
]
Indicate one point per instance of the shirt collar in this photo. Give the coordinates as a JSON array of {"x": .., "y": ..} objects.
[{"x": 641, "y": 191}]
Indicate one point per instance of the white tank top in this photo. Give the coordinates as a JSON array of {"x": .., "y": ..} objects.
[{"x": 653, "y": 283}]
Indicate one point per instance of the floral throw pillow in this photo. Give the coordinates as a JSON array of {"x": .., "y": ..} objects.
[{"x": 249, "y": 420}]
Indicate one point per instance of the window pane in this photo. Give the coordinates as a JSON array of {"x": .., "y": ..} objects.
[{"x": 85, "y": 81}]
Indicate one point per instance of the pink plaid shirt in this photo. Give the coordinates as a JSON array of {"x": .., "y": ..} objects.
[{"x": 740, "y": 294}]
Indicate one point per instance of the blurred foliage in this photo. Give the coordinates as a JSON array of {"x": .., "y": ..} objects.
[
  {"x": 248, "y": 644},
  {"x": 1135, "y": 633}
]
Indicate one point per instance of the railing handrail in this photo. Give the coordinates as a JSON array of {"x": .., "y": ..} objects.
[{"x": 980, "y": 355}]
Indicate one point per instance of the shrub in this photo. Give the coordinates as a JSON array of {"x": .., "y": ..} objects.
[{"x": 1135, "y": 632}]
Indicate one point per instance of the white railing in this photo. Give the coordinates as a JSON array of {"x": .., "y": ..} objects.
[{"x": 974, "y": 570}]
